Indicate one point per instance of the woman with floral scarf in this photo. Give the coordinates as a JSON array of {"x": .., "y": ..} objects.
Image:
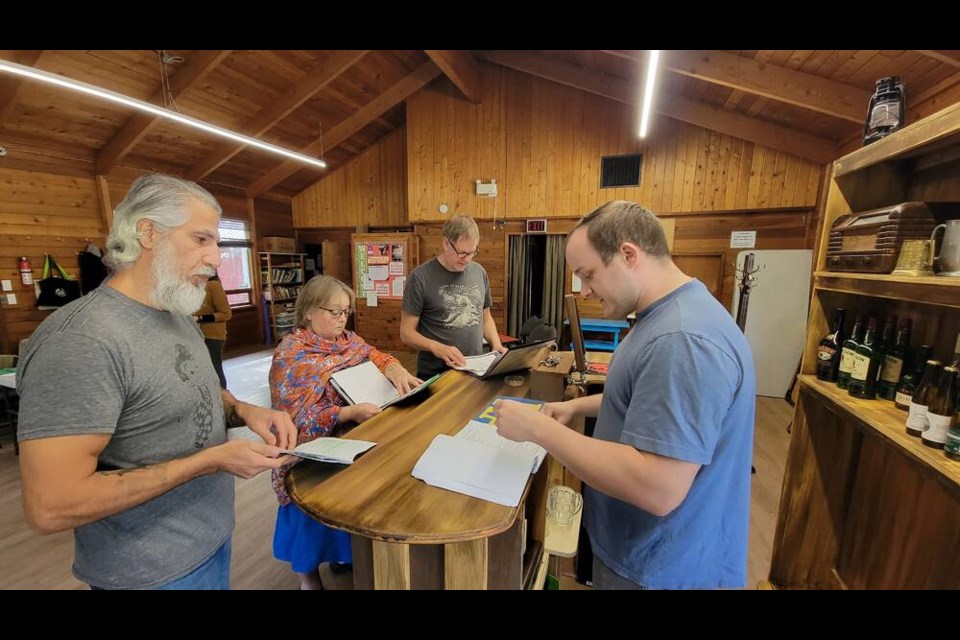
[{"x": 300, "y": 385}]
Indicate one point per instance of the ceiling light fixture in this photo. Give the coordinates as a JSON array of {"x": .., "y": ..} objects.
[
  {"x": 140, "y": 105},
  {"x": 653, "y": 57}
]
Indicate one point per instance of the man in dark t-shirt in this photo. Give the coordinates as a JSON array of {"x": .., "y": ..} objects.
[{"x": 446, "y": 303}]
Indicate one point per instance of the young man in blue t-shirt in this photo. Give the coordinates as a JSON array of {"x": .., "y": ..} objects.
[{"x": 668, "y": 466}]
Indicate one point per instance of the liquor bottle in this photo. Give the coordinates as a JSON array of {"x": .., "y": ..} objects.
[
  {"x": 866, "y": 362},
  {"x": 940, "y": 411},
  {"x": 848, "y": 351},
  {"x": 893, "y": 358},
  {"x": 828, "y": 353},
  {"x": 956, "y": 354},
  {"x": 952, "y": 445},
  {"x": 926, "y": 390},
  {"x": 908, "y": 383}
]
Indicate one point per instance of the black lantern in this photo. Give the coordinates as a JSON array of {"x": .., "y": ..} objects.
[{"x": 886, "y": 111}]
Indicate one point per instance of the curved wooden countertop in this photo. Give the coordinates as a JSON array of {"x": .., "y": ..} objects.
[{"x": 376, "y": 497}]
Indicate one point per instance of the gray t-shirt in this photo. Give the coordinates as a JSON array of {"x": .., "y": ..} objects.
[
  {"x": 106, "y": 364},
  {"x": 450, "y": 305}
]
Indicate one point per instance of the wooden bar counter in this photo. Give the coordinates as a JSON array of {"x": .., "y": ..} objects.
[{"x": 406, "y": 534}]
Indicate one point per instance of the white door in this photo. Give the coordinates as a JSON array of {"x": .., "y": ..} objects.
[{"x": 776, "y": 315}]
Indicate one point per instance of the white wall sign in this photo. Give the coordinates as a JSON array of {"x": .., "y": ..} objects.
[
  {"x": 575, "y": 285},
  {"x": 743, "y": 239}
]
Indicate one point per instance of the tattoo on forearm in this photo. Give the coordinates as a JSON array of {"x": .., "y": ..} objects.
[{"x": 233, "y": 418}]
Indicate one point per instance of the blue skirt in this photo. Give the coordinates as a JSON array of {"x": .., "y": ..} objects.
[{"x": 306, "y": 543}]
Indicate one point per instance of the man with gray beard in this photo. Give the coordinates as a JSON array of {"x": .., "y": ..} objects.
[{"x": 123, "y": 426}]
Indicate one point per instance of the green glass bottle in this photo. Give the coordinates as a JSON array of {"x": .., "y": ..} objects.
[
  {"x": 893, "y": 358},
  {"x": 908, "y": 383},
  {"x": 848, "y": 351},
  {"x": 866, "y": 363},
  {"x": 939, "y": 417},
  {"x": 925, "y": 393},
  {"x": 952, "y": 446}
]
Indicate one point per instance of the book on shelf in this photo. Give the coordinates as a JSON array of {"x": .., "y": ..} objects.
[
  {"x": 365, "y": 384},
  {"x": 336, "y": 450},
  {"x": 479, "y": 462}
]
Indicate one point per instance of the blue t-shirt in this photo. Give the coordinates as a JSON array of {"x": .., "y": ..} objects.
[{"x": 681, "y": 385}]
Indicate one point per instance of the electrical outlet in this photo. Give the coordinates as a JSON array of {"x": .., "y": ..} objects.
[{"x": 7, "y": 285}]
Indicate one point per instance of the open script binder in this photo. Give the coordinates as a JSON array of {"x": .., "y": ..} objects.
[
  {"x": 480, "y": 463},
  {"x": 338, "y": 450},
  {"x": 365, "y": 383},
  {"x": 494, "y": 363}
]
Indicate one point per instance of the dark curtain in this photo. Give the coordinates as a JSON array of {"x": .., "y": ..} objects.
[{"x": 518, "y": 298}]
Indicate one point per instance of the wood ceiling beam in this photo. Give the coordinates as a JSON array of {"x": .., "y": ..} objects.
[
  {"x": 461, "y": 69},
  {"x": 754, "y": 130},
  {"x": 758, "y": 78},
  {"x": 10, "y": 84},
  {"x": 329, "y": 70},
  {"x": 349, "y": 126},
  {"x": 947, "y": 56},
  {"x": 123, "y": 142}
]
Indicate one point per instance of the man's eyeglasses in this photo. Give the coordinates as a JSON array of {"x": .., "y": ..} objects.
[
  {"x": 462, "y": 254},
  {"x": 338, "y": 313}
]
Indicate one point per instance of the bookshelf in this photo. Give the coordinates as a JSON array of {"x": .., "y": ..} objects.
[
  {"x": 281, "y": 278},
  {"x": 864, "y": 505}
]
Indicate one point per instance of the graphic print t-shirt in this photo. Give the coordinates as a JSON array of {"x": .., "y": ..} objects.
[
  {"x": 106, "y": 364},
  {"x": 450, "y": 305}
]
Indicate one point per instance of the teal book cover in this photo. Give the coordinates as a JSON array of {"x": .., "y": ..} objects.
[{"x": 487, "y": 415}]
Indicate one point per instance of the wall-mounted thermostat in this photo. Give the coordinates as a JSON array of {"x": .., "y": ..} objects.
[
  {"x": 443, "y": 208},
  {"x": 487, "y": 189}
]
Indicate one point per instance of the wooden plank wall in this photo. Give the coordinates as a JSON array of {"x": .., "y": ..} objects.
[
  {"x": 371, "y": 190},
  {"x": 46, "y": 206},
  {"x": 41, "y": 213},
  {"x": 543, "y": 143},
  {"x": 554, "y": 136},
  {"x": 700, "y": 234}
]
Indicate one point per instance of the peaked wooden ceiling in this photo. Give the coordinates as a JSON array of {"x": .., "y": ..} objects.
[{"x": 335, "y": 103}]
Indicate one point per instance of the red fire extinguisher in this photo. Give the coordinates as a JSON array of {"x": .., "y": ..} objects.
[{"x": 26, "y": 272}]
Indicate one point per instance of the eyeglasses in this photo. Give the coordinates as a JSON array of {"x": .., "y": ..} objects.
[
  {"x": 462, "y": 254},
  {"x": 338, "y": 313}
]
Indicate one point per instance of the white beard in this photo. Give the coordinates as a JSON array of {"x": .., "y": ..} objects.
[{"x": 171, "y": 292}]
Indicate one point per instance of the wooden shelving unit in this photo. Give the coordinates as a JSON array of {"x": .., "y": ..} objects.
[
  {"x": 885, "y": 421},
  {"x": 864, "y": 505},
  {"x": 281, "y": 278}
]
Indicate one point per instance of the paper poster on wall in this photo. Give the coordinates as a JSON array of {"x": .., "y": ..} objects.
[
  {"x": 379, "y": 265},
  {"x": 378, "y": 272},
  {"x": 378, "y": 253},
  {"x": 371, "y": 298},
  {"x": 398, "y": 286},
  {"x": 743, "y": 239},
  {"x": 576, "y": 285}
]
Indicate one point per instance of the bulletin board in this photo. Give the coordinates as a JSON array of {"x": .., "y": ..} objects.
[{"x": 381, "y": 264}]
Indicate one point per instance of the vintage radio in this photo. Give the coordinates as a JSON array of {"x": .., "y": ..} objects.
[{"x": 870, "y": 242}]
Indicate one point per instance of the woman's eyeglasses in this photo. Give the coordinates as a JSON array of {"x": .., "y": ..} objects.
[{"x": 338, "y": 313}]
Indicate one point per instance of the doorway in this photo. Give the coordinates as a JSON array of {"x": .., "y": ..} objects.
[{"x": 535, "y": 268}]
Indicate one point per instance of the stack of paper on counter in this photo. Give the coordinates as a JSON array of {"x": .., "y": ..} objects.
[
  {"x": 480, "y": 463},
  {"x": 338, "y": 450},
  {"x": 365, "y": 383}
]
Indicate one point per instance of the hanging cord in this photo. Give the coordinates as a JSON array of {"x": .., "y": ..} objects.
[{"x": 165, "y": 60}]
